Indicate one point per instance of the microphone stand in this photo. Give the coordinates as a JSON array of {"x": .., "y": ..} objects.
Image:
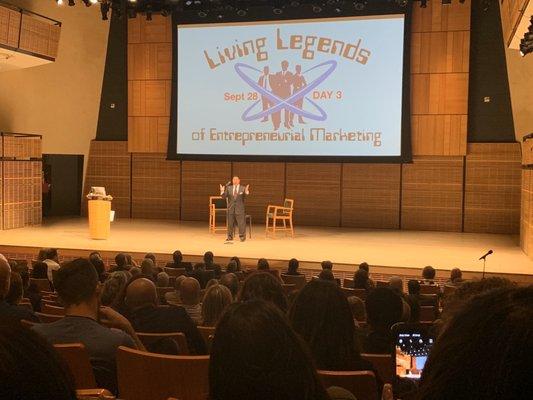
[{"x": 484, "y": 264}]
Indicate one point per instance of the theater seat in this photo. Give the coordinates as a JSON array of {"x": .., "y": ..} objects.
[
  {"x": 47, "y": 318},
  {"x": 53, "y": 310},
  {"x": 298, "y": 280},
  {"x": 383, "y": 364},
  {"x": 94, "y": 394},
  {"x": 77, "y": 359},
  {"x": 362, "y": 384},
  {"x": 156, "y": 342},
  {"x": 207, "y": 332},
  {"x": 143, "y": 375},
  {"x": 361, "y": 293}
]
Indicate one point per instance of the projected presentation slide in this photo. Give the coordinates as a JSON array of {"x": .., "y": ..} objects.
[{"x": 329, "y": 87}]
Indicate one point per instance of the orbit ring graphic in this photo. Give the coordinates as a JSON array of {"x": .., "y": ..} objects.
[{"x": 279, "y": 103}]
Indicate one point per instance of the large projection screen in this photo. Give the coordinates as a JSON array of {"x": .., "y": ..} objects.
[{"x": 321, "y": 88}]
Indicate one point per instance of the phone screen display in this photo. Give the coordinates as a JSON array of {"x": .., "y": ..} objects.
[{"x": 412, "y": 350}]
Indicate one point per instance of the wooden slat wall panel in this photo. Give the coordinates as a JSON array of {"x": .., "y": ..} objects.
[
  {"x": 9, "y": 26},
  {"x": 492, "y": 193},
  {"x": 149, "y": 83},
  {"x": 432, "y": 194},
  {"x": 371, "y": 196},
  {"x": 39, "y": 36},
  {"x": 315, "y": 189},
  {"x": 155, "y": 187},
  {"x": 526, "y": 236},
  {"x": 200, "y": 179},
  {"x": 440, "y": 55},
  {"x": 109, "y": 165},
  {"x": 267, "y": 186}
]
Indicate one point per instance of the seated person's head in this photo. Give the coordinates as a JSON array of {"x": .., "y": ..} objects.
[
  {"x": 76, "y": 283},
  {"x": 360, "y": 279},
  {"x": 94, "y": 256},
  {"x": 48, "y": 254},
  {"x": 147, "y": 267},
  {"x": 267, "y": 362},
  {"x": 30, "y": 368},
  {"x": 262, "y": 264},
  {"x": 364, "y": 265},
  {"x": 121, "y": 260},
  {"x": 39, "y": 270},
  {"x": 216, "y": 299},
  {"x": 211, "y": 282},
  {"x": 484, "y": 350},
  {"x": 428, "y": 273},
  {"x": 134, "y": 271},
  {"x": 162, "y": 279},
  {"x": 16, "y": 291},
  {"x": 231, "y": 281},
  {"x": 208, "y": 257},
  {"x": 237, "y": 261},
  {"x": 140, "y": 293},
  {"x": 293, "y": 265},
  {"x": 357, "y": 307},
  {"x": 326, "y": 275},
  {"x": 263, "y": 286},
  {"x": 151, "y": 256},
  {"x": 190, "y": 291},
  {"x": 396, "y": 284},
  {"x": 326, "y": 264},
  {"x": 456, "y": 275},
  {"x": 5, "y": 276},
  {"x": 413, "y": 286},
  {"x": 178, "y": 281},
  {"x": 384, "y": 308},
  {"x": 321, "y": 316},
  {"x": 177, "y": 257},
  {"x": 231, "y": 267},
  {"x": 113, "y": 287}
]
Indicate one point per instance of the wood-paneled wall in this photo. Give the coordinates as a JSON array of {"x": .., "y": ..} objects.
[
  {"x": 149, "y": 84},
  {"x": 440, "y": 48},
  {"x": 526, "y": 198},
  {"x": 511, "y": 13}
]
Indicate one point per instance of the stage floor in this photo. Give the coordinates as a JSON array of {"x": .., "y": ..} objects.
[{"x": 388, "y": 248}]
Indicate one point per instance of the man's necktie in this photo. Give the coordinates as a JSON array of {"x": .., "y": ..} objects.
[{"x": 234, "y": 191}]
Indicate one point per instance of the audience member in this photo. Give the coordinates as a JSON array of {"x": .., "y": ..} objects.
[
  {"x": 148, "y": 268},
  {"x": 216, "y": 299},
  {"x": 396, "y": 284},
  {"x": 135, "y": 271},
  {"x": 294, "y": 264},
  {"x": 96, "y": 260},
  {"x": 326, "y": 264},
  {"x": 485, "y": 349},
  {"x": 456, "y": 277},
  {"x": 321, "y": 315},
  {"x": 384, "y": 308},
  {"x": 130, "y": 262},
  {"x": 39, "y": 270},
  {"x": 262, "y": 264},
  {"x": 190, "y": 298},
  {"x": 364, "y": 265},
  {"x": 210, "y": 264},
  {"x": 51, "y": 259},
  {"x": 174, "y": 296},
  {"x": 14, "y": 295},
  {"x": 77, "y": 286},
  {"x": 113, "y": 287},
  {"x": 360, "y": 280},
  {"x": 231, "y": 281},
  {"x": 357, "y": 307},
  {"x": 177, "y": 262},
  {"x": 326, "y": 275},
  {"x": 413, "y": 288},
  {"x": 121, "y": 262},
  {"x": 263, "y": 286},
  {"x": 151, "y": 256},
  {"x": 267, "y": 361},
  {"x": 428, "y": 275},
  {"x": 237, "y": 261},
  {"x": 30, "y": 369},
  {"x": 147, "y": 317},
  {"x": 162, "y": 280},
  {"x": 201, "y": 274},
  {"x": 8, "y": 311},
  {"x": 231, "y": 267}
]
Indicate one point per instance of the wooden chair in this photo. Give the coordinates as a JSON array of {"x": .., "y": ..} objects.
[
  {"x": 142, "y": 375},
  {"x": 427, "y": 314},
  {"x": 383, "y": 364},
  {"x": 448, "y": 290},
  {"x": 94, "y": 394},
  {"x": 175, "y": 272},
  {"x": 207, "y": 332},
  {"x": 52, "y": 310},
  {"x": 361, "y": 293},
  {"x": 298, "y": 280},
  {"x": 42, "y": 284},
  {"x": 48, "y": 318},
  {"x": 288, "y": 288},
  {"x": 217, "y": 206},
  {"x": 148, "y": 339},
  {"x": 282, "y": 214},
  {"x": 24, "y": 302},
  {"x": 77, "y": 358},
  {"x": 26, "y": 323},
  {"x": 382, "y": 283},
  {"x": 347, "y": 283},
  {"x": 362, "y": 384}
]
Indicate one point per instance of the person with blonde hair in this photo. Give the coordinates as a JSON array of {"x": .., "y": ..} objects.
[{"x": 216, "y": 299}]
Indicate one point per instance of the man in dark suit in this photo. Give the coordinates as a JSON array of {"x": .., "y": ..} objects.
[{"x": 235, "y": 195}]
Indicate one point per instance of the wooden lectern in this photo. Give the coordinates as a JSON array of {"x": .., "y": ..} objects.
[{"x": 99, "y": 219}]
